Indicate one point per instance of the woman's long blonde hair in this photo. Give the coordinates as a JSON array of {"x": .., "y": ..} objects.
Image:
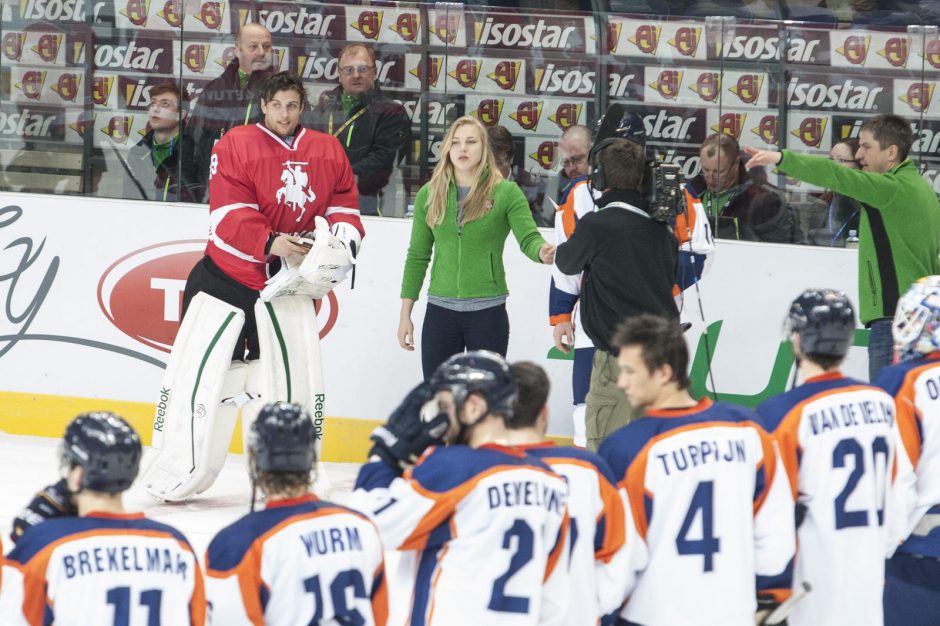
[{"x": 480, "y": 198}]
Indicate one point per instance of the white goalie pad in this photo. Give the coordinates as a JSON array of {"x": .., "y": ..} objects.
[
  {"x": 200, "y": 396},
  {"x": 317, "y": 273}
]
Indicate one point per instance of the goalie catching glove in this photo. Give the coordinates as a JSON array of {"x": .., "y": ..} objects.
[
  {"x": 410, "y": 430},
  {"x": 53, "y": 501}
]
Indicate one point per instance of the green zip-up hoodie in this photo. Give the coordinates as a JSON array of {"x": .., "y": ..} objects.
[
  {"x": 468, "y": 261},
  {"x": 899, "y": 236}
]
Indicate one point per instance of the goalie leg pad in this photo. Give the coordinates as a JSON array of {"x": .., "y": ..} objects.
[
  {"x": 192, "y": 430},
  {"x": 253, "y": 389}
]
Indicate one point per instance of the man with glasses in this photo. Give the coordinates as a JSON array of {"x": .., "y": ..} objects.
[
  {"x": 373, "y": 129},
  {"x": 739, "y": 204},
  {"x": 232, "y": 99},
  {"x": 574, "y": 146}
]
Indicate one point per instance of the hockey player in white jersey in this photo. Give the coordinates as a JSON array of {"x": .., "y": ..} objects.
[
  {"x": 912, "y": 574},
  {"x": 103, "y": 565},
  {"x": 600, "y": 572},
  {"x": 836, "y": 436},
  {"x": 707, "y": 493},
  {"x": 481, "y": 527},
  {"x": 301, "y": 560}
]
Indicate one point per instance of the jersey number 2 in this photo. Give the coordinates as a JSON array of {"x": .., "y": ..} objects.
[
  {"x": 344, "y": 580},
  {"x": 499, "y": 601},
  {"x": 709, "y": 544}
]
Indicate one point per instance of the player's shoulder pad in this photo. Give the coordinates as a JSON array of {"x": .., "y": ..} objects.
[
  {"x": 773, "y": 410},
  {"x": 446, "y": 468},
  {"x": 893, "y": 377},
  {"x": 552, "y": 454}
]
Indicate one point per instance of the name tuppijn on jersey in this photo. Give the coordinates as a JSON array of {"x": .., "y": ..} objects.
[
  {"x": 580, "y": 83},
  {"x": 759, "y": 48},
  {"x": 58, "y": 10},
  {"x": 845, "y": 96},
  {"x": 702, "y": 453},
  {"x": 538, "y": 35},
  {"x": 26, "y": 124},
  {"x": 297, "y": 22}
]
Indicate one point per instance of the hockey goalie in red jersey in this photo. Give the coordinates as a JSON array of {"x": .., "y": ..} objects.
[{"x": 284, "y": 230}]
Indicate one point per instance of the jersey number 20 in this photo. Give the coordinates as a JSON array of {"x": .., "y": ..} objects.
[{"x": 852, "y": 448}]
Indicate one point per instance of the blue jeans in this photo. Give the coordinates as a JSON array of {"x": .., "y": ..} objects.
[
  {"x": 880, "y": 347},
  {"x": 446, "y": 333}
]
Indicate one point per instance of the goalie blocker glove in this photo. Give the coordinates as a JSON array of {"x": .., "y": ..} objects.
[
  {"x": 409, "y": 431},
  {"x": 53, "y": 501}
]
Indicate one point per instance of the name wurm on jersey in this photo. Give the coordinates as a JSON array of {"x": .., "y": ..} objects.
[
  {"x": 125, "y": 559},
  {"x": 851, "y": 414},
  {"x": 327, "y": 540},
  {"x": 526, "y": 493},
  {"x": 695, "y": 454}
]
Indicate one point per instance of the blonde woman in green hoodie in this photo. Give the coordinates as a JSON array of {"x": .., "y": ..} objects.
[{"x": 464, "y": 215}]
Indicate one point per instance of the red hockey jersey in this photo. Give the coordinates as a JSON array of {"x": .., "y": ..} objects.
[{"x": 258, "y": 185}]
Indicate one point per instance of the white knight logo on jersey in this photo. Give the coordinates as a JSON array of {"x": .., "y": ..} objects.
[
  {"x": 297, "y": 22},
  {"x": 538, "y": 35},
  {"x": 55, "y": 10},
  {"x": 846, "y": 96},
  {"x": 296, "y": 192},
  {"x": 758, "y": 48},
  {"x": 665, "y": 126}
]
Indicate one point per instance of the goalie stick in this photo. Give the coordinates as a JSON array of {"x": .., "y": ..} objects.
[{"x": 782, "y": 612}]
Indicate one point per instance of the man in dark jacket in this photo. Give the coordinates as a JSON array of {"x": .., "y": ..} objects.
[
  {"x": 161, "y": 166},
  {"x": 740, "y": 204},
  {"x": 232, "y": 99},
  {"x": 629, "y": 264},
  {"x": 374, "y": 130}
]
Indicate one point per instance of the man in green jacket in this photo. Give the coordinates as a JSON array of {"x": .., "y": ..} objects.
[{"x": 899, "y": 237}]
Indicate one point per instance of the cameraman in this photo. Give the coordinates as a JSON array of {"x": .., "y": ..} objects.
[{"x": 629, "y": 265}]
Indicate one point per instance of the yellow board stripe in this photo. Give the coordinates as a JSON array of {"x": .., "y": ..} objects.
[{"x": 346, "y": 439}]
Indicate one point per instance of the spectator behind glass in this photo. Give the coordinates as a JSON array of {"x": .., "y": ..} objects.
[
  {"x": 233, "y": 98},
  {"x": 574, "y": 146},
  {"x": 154, "y": 171},
  {"x": 843, "y": 212},
  {"x": 503, "y": 148},
  {"x": 373, "y": 129},
  {"x": 464, "y": 215}
]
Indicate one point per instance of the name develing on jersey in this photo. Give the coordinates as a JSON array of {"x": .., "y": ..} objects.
[
  {"x": 846, "y": 95},
  {"x": 296, "y": 22},
  {"x": 701, "y": 453},
  {"x": 519, "y": 493},
  {"x": 538, "y": 35},
  {"x": 578, "y": 82}
]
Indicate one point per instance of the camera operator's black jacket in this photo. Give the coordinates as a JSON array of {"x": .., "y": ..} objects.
[{"x": 629, "y": 264}]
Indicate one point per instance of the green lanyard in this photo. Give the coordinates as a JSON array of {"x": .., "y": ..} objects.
[{"x": 349, "y": 123}]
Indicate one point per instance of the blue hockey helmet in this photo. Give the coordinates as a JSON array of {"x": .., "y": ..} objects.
[
  {"x": 282, "y": 438},
  {"x": 825, "y": 321},
  {"x": 107, "y": 449},
  {"x": 482, "y": 372},
  {"x": 916, "y": 326}
]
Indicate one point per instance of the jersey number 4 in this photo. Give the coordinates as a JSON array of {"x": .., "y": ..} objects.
[
  {"x": 706, "y": 547},
  {"x": 852, "y": 448}
]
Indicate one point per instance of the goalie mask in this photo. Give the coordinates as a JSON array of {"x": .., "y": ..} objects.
[
  {"x": 825, "y": 321},
  {"x": 107, "y": 449},
  {"x": 916, "y": 326},
  {"x": 481, "y": 372}
]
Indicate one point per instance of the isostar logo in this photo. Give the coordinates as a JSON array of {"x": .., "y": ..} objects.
[
  {"x": 667, "y": 84},
  {"x": 546, "y": 155},
  {"x": 446, "y": 26},
  {"x": 172, "y": 13},
  {"x": 539, "y": 35},
  {"x": 708, "y": 86},
  {"x": 918, "y": 96},
  {"x": 369, "y": 24},
  {"x": 119, "y": 128},
  {"x": 527, "y": 114},
  {"x": 489, "y": 111},
  {"x": 748, "y": 87},
  {"x": 13, "y": 45},
  {"x": 767, "y": 129},
  {"x": 47, "y": 47},
  {"x": 895, "y": 51},
  {"x": 646, "y": 38},
  {"x": 665, "y": 126},
  {"x": 437, "y": 114},
  {"x": 195, "y": 57},
  {"x": 136, "y": 11},
  {"x": 142, "y": 293},
  {"x": 686, "y": 40},
  {"x": 434, "y": 65},
  {"x": 84, "y": 123},
  {"x": 67, "y": 86},
  {"x": 759, "y": 48},
  {"x": 408, "y": 25},
  {"x": 731, "y": 124},
  {"x": 210, "y": 14},
  {"x": 855, "y": 49},
  {"x": 505, "y": 74},
  {"x": 811, "y": 131},
  {"x": 137, "y": 95},
  {"x": 566, "y": 115},
  {"x": 295, "y": 21},
  {"x": 467, "y": 72},
  {"x": 932, "y": 52},
  {"x": 129, "y": 57},
  {"x": 101, "y": 89},
  {"x": 31, "y": 84},
  {"x": 845, "y": 95},
  {"x": 56, "y": 10}
]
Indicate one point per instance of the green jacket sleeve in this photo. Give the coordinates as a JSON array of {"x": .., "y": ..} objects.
[
  {"x": 419, "y": 248},
  {"x": 876, "y": 189},
  {"x": 520, "y": 220}
]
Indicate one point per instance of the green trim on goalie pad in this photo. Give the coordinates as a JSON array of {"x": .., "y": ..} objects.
[
  {"x": 283, "y": 346},
  {"x": 192, "y": 401}
]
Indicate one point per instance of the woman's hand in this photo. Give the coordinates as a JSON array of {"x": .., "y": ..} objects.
[
  {"x": 406, "y": 334},
  {"x": 547, "y": 253}
]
